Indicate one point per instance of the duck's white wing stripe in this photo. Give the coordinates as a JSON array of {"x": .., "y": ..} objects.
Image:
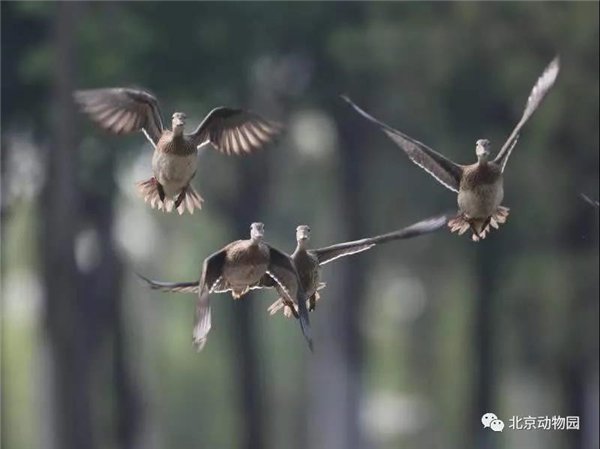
[
  {"x": 509, "y": 151},
  {"x": 283, "y": 287},
  {"x": 148, "y": 137},
  {"x": 347, "y": 253},
  {"x": 217, "y": 288},
  {"x": 448, "y": 186}
]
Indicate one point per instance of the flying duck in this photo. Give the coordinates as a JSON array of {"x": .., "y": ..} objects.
[
  {"x": 237, "y": 268},
  {"x": 174, "y": 163},
  {"x": 309, "y": 261},
  {"x": 480, "y": 185},
  {"x": 308, "y": 264}
]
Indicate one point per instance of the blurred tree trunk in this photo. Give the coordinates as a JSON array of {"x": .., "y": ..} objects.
[
  {"x": 252, "y": 177},
  {"x": 64, "y": 320},
  {"x": 352, "y": 278},
  {"x": 579, "y": 366},
  {"x": 82, "y": 308},
  {"x": 485, "y": 378},
  {"x": 338, "y": 359}
]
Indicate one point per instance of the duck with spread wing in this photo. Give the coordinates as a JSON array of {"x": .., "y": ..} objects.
[
  {"x": 480, "y": 186},
  {"x": 174, "y": 163}
]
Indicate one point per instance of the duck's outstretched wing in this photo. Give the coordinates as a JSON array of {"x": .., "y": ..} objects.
[
  {"x": 235, "y": 131},
  {"x": 283, "y": 272},
  {"x": 171, "y": 287},
  {"x": 330, "y": 253},
  {"x": 423, "y": 227},
  {"x": 539, "y": 91},
  {"x": 121, "y": 110},
  {"x": 211, "y": 272},
  {"x": 589, "y": 200},
  {"x": 441, "y": 168},
  {"x": 193, "y": 286}
]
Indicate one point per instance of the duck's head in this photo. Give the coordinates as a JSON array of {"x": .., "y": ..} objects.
[
  {"x": 257, "y": 231},
  {"x": 302, "y": 234},
  {"x": 178, "y": 122},
  {"x": 482, "y": 149}
]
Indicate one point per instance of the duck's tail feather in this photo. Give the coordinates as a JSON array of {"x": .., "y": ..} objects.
[
  {"x": 191, "y": 201},
  {"x": 480, "y": 228},
  {"x": 148, "y": 190}
]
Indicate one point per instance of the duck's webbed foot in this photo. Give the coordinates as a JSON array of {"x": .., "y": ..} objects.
[
  {"x": 289, "y": 310},
  {"x": 160, "y": 189},
  {"x": 180, "y": 198},
  {"x": 311, "y": 303},
  {"x": 288, "y": 307}
]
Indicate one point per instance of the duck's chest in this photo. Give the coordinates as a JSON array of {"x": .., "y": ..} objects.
[
  {"x": 174, "y": 160},
  {"x": 246, "y": 263},
  {"x": 307, "y": 266},
  {"x": 176, "y": 145},
  {"x": 481, "y": 191}
]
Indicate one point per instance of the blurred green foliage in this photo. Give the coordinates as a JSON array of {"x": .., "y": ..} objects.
[{"x": 446, "y": 74}]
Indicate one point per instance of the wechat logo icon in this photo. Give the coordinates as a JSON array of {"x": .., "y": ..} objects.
[{"x": 491, "y": 421}]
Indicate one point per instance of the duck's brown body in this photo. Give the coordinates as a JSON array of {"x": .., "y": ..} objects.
[
  {"x": 307, "y": 265},
  {"x": 245, "y": 264},
  {"x": 309, "y": 273},
  {"x": 174, "y": 163},
  {"x": 480, "y": 195},
  {"x": 481, "y": 190}
]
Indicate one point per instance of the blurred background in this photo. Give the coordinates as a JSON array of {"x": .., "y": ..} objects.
[{"x": 415, "y": 340}]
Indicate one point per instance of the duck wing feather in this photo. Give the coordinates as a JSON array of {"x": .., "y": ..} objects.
[
  {"x": 234, "y": 131},
  {"x": 122, "y": 110},
  {"x": 445, "y": 171},
  {"x": 538, "y": 93}
]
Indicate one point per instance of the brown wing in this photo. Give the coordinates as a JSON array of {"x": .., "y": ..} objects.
[
  {"x": 235, "y": 131},
  {"x": 172, "y": 287},
  {"x": 211, "y": 272},
  {"x": 282, "y": 271},
  {"x": 539, "y": 91},
  {"x": 122, "y": 111},
  {"x": 441, "y": 168},
  {"x": 330, "y": 253}
]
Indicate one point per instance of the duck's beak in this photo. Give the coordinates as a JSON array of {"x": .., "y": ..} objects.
[{"x": 302, "y": 236}]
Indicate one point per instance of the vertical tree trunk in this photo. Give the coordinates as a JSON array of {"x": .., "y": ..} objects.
[
  {"x": 83, "y": 308},
  {"x": 352, "y": 279},
  {"x": 71, "y": 370},
  {"x": 252, "y": 176},
  {"x": 581, "y": 350},
  {"x": 485, "y": 363},
  {"x": 334, "y": 421}
]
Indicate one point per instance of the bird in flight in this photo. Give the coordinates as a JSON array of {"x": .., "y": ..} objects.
[
  {"x": 480, "y": 186},
  {"x": 239, "y": 267},
  {"x": 308, "y": 263},
  {"x": 174, "y": 163}
]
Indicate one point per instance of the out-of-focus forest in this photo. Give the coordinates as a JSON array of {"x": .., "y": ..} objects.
[{"x": 414, "y": 340}]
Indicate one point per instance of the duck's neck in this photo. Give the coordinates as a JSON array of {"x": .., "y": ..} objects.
[
  {"x": 483, "y": 161},
  {"x": 177, "y": 131},
  {"x": 255, "y": 241},
  {"x": 300, "y": 245}
]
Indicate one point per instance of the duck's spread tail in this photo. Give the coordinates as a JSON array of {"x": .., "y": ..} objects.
[
  {"x": 148, "y": 190},
  {"x": 480, "y": 228},
  {"x": 188, "y": 199},
  {"x": 191, "y": 200}
]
